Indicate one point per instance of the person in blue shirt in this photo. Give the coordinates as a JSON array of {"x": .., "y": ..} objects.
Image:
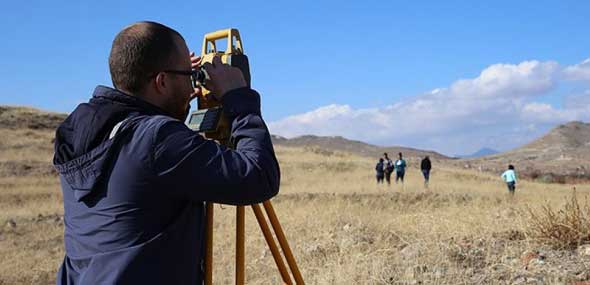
[
  {"x": 400, "y": 168},
  {"x": 134, "y": 177},
  {"x": 379, "y": 171},
  {"x": 509, "y": 176}
]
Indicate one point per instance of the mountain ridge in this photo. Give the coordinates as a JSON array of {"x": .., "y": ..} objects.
[
  {"x": 562, "y": 153},
  {"x": 342, "y": 144},
  {"x": 485, "y": 151}
]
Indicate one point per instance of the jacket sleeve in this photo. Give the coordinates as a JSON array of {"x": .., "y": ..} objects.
[{"x": 203, "y": 170}]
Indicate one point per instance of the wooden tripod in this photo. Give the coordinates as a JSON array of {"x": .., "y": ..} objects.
[
  {"x": 240, "y": 241},
  {"x": 210, "y": 120}
]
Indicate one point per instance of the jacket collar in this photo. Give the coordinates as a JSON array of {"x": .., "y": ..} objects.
[{"x": 107, "y": 93}]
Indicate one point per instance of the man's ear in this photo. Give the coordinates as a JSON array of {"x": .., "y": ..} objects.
[{"x": 160, "y": 81}]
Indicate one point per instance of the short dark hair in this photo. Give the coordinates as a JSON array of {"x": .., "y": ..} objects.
[
  {"x": 138, "y": 52},
  {"x": 511, "y": 166}
]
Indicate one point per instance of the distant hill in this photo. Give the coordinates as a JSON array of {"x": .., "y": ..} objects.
[
  {"x": 29, "y": 118},
  {"x": 26, "y": 143},
  {"x": 339, "y": 143},
  {"x": 562, "y": 153},
  {"x": 482, "y": 152},
  {"x": 26, "y": 147}
]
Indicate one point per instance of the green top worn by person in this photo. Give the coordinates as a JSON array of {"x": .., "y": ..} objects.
[
  {"x": 400, "y": 164},
  {"x": 400, "y": 168}
]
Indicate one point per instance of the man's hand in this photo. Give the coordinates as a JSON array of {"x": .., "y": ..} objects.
[
  {"x": 195, "y": 64},
  {"x": 223, "y": 78}
]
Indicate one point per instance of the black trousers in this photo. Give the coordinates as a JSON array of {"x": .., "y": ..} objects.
[
  {"x": 379, "y": 178},
  {"x": 426, "y": 173},
  {"x": 399, "y": 175},
  {"x": 388, "y": 177},
  {"x": 511, "y": 187}
]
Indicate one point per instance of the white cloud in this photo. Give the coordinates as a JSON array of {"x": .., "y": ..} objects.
[
  {"x": 524, "y": 79},
  {"x": 545, "y": 113},
  {"x": 495, "y": 109},
  {"x": 580, "y": 71}
]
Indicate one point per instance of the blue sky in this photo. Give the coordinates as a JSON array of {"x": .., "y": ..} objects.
[{"x": 358, "y": 69}]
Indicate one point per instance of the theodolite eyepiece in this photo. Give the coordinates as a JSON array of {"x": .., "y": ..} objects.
[{"x": 199, "y": 77}]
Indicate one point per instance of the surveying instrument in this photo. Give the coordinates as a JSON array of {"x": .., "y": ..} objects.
[{"x": 209, "y": 120}]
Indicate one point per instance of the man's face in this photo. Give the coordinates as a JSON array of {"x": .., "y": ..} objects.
[{"x": 180, "y": 85}]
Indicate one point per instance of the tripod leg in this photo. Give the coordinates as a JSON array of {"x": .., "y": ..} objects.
[
  {"x": 240, "y": 251},
  {"x": 209, "y": 245},
  {"x": 271, "y": 244},
  {"x": 274, "y": 221}
]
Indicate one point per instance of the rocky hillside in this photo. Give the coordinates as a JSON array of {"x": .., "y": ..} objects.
[{"x": 562, "y": 154}]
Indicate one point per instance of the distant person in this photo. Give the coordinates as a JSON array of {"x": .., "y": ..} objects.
[
  {"x": 400, "y": 168},
  {"x": 379, "y": 171},
  {"x": 509, "y": 176},
  {"x": 388, "y": 168},
  {"x": 425, "y": 166}
]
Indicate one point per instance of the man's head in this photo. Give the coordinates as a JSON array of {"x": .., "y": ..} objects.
[
  {"x": 385, "y": 154},
  {"x": 511, "y": 167},
  {"x": 143, "y": 58},
  {"x": 400, "y": 155}
]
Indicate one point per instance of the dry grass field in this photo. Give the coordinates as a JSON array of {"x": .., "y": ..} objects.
[{"x": 342, "y": 227}]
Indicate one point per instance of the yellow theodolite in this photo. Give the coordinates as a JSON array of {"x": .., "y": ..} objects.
[{"x": 209, "y": 120}]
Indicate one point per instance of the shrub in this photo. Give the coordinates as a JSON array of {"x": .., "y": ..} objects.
[{"x": 566, "y": 228}]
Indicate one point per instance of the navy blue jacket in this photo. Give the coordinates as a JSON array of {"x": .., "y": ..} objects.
[
  {"x": 379, "y": 168},
  {"x": 134, "y": 211}
]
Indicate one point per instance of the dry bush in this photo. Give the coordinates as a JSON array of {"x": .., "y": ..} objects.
[
  {"x": 566, "y": 228},
  {"x": 578, "y": 177}
]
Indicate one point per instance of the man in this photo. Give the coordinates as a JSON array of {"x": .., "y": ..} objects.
[
  {"x": 400, "y": 168},
  {"x": 509, "y": 176},
  {"x": 134, "y": 177},
  {"x": 388, "y": 168},
  {"x": 425, "y": 166}
]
